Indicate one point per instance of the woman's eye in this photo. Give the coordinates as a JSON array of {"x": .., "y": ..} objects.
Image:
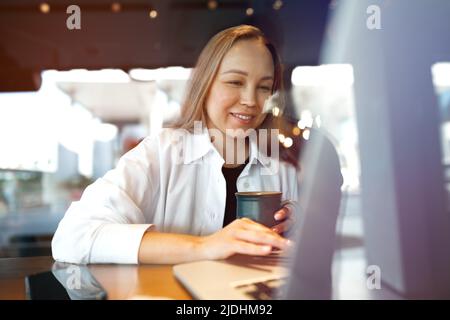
[
  {"x": 265, "y": 89},
  {"x": 235, "y": 83}
]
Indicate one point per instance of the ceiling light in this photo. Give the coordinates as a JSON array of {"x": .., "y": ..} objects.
[
  {"x": 277, "y": 5},
  {"x": 116, "y": 7},
  {"x": 44, "y": 7},
  {"x": 153, "y": 14},
  {"x": 212, "y": 4}
]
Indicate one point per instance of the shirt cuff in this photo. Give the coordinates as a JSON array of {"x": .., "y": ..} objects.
[{"x": 118, "y": 243}]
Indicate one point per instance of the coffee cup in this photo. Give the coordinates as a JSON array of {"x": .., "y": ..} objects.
[{"x": 259, "y": 206}]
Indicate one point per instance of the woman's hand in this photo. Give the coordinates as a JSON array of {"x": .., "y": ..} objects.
[
  {"x": 242, "y": 236},
  {"x": 286, "y": 217}
]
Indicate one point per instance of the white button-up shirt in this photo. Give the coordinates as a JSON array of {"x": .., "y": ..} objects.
[{"x": 172, "y": 186}]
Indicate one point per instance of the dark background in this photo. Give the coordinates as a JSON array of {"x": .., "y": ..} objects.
[{"x": 32, "y": 41}]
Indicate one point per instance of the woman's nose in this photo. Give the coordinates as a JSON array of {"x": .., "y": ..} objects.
[{"x": 248, "y": 97}]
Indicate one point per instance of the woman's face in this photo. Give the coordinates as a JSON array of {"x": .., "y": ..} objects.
[{"x": 242, "y": 84}]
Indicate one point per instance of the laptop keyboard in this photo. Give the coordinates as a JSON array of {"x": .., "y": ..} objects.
[{"x": 262, "y": 290}]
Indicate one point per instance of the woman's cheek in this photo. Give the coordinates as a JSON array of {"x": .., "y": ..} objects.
[{"x": 228, "y": 98}]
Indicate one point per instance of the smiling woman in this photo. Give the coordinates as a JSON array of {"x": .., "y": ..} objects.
[
  {"x": 236, "y": 74},
  {"x": 152, "y": 208},
  {"x": 229, "y": 57},
  {"x": 237, "y": 96}
]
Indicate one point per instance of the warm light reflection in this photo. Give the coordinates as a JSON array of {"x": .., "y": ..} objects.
[
  {"x": 44, "y": 7},
  {"x": 276, "y": 111},
  {"x": 288, "y": 142},
  {"x": 153, "y": 14},
  {"x": 301, "y": 124},
  {"x": 116, "y": 7},
  {"x": 306, "y": 134},
  {"x": 212, "y": 4},
  {"x": 296, "y": 131},
  {"x": 307, "y": 118}
]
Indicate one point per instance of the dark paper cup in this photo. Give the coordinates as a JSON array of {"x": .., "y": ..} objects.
[{"x": 259, "y": 206}]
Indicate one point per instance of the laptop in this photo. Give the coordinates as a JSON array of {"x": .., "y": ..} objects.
[
  {"x": 302, "y": 273},
  {"x": 240, "y": 277}
]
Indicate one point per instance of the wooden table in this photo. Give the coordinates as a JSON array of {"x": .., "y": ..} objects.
[{"x": 120, "y": 281}]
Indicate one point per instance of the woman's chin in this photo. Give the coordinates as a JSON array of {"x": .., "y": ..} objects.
[{"x": 239, "y": 132}]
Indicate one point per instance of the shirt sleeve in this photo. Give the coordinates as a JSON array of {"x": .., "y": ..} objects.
[{"x": 107, "y": 224}]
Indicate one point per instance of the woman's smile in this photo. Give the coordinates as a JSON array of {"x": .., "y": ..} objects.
[{"x": 242, "y": 118}]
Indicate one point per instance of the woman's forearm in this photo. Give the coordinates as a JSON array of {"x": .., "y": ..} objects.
[
  {"x": 242, "y": 236},
  {"x": 168, "y": 248}
]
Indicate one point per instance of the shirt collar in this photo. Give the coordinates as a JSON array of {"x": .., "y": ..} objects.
[
  {"x": 256, "y": 156},
  {"x": 198, "y": 144}
]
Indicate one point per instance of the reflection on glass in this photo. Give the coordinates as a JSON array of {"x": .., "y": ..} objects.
[
  {"x": 441, "y": 82},
  {"x": 323, "y": 96},
  {"x": 78, "y": 282}
]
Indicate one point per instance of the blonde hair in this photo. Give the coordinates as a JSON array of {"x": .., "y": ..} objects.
[{"x": 207, "y": 66}]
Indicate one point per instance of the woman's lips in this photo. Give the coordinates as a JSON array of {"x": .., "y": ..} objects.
[{"x": 242, "y": 118}]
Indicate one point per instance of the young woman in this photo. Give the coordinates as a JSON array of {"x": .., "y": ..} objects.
[{"x": 171, "y": 199}]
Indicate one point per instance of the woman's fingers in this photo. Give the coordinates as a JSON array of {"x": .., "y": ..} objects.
[
  {"x": 283, "y": 213},
  {"x": 249, "y": 223},
  {"x": 271, "y": 239},
  {"x": 286, "y": 218},
  {"x": 242, "y": 236},
  {"x": 243, "y": 247},
  {"x": 284, "y": 226}
]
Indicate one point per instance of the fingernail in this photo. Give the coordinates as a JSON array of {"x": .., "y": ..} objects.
[
  {"x": 275, "y": 230},
  {"x": 277, "y": 216},
  {"x": 289, "y": 242},
  {"x": 266, "y": 248}
]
